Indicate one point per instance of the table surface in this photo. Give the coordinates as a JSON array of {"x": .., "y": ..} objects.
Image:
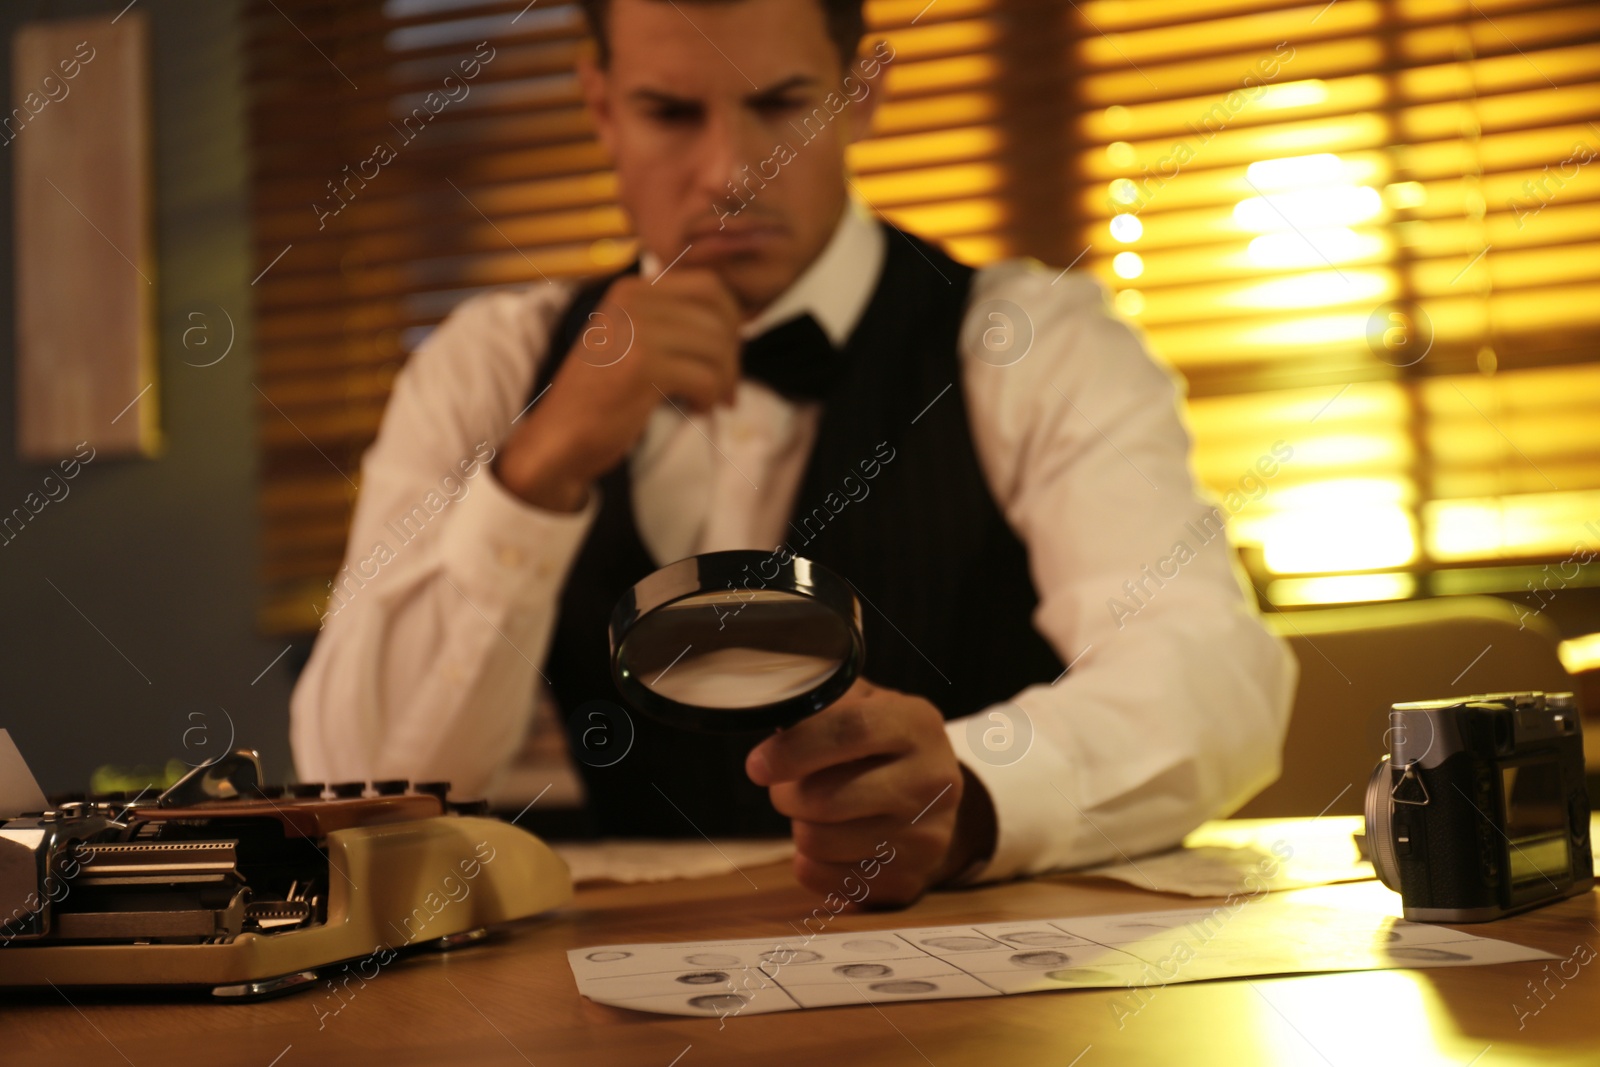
[{"x": 512, "y": 1000}]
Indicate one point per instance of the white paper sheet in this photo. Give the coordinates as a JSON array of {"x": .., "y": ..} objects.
[
  {"x": 1136, "y": 951},
  {"x": 19, "y": 790},
  {"x": 1245, "y": 855},
  {"x": 630, "y": 861}
]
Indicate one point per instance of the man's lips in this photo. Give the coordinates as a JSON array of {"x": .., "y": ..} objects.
[
  {"x": 734, "y": 239},
  {"x": 733, "y": 224}
]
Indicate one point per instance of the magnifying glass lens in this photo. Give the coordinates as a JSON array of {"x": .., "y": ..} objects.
[
  {"x": 737, "y": 650},
  {"x": 736, "y": 642}
]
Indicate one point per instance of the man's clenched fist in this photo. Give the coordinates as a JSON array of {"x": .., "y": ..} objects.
[{"x": 681, "y": 339}]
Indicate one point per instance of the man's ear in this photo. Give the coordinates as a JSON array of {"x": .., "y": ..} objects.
[{"x": 594, "y": 83}]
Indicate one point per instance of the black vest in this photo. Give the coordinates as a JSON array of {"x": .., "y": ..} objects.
[{"x": 893, "y": 499}]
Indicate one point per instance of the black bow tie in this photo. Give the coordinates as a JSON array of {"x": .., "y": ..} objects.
[{"x": 796, "y": 359}]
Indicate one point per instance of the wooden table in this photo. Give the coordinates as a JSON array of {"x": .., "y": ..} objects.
[{"x": 512, "y": 1001}]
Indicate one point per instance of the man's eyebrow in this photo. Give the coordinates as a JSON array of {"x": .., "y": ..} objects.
[
  {"x": 658, "y": 96},
  {"x": 661, "y": 97},
  {"x": 789, "y": 84}
]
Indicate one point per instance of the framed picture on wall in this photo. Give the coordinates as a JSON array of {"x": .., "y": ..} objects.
[{"x": 84, "y": 262}]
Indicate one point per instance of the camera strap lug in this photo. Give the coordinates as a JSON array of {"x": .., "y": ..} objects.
[{"x": 1409, "y": 774}]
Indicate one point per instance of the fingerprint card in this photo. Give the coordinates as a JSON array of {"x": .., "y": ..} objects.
[{"x": 723, "y": 979}]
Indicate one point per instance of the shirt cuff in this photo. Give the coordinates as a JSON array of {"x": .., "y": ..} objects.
[
  {"x": 504, "y": 551},
  {"x": 1001, "y": 746}
]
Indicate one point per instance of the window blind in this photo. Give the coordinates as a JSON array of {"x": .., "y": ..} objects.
[
  {"x": 1367, "y": 230},
  {"x": 1363, "y": 231}
]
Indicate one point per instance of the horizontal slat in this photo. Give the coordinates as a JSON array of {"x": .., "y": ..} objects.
[
  {"x": 1220, "y": 279},
  {"x": 379, "y": 79},
  {"x": 1220, "y": 176},
  {"x": 1224, "y": 68},
  {"x": 1206, "y": 33},
  {"x": 1308, "y": 95}
]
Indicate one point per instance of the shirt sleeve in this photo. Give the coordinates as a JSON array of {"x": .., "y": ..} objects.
[
  {"x": 427, "y": 660},
  {"x": 1177, "y": 698}
]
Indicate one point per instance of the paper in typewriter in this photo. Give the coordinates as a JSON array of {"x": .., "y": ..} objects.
[
  {"x": 1142, "y": 951},
  {"x": 19, "y": 791}
]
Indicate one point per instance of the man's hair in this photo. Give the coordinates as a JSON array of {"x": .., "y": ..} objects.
[{"x": 845, "y": 25}]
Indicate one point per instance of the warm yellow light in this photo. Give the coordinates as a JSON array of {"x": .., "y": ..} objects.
[
  {"x": 1344, "y": 493},
  {"x": 1317, "y": 289},
  {"x": 1120, "y": 154},
  {"x": 1130, "y": 302},
  {"x": 1466, "y": 529},
  {"x": 1123, "y": 191},
  {"x": 1340, "y": 589},
  {"x": 608, "y": 252},
  {"x": 1307, "y": 209},
  {"x": 1311, "y": 330},
  {"x": 1338, "y": 244},
  {"x": 1118, "y": 118},
  {"x": 1291, "y": 1018},
  {"x": 1561, "y": 525},
  {"x": 1128, "y": 264},
  {"x": 1298, "y": 172},
  {"x": 1294, "y": 94},
  {"x": 1318, "y": 539},
  {"x": 1340, "y": 452},
  {"x": 1405, "y": 194},
  {"x": 1126, "y": 228},
  {"x": 1580, "y": 654}
]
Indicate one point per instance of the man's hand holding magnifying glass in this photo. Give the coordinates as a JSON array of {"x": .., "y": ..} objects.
[{"x": 876, "y": 766}]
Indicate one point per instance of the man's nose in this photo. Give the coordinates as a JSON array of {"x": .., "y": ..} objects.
[{"x": 725, "y": 150}]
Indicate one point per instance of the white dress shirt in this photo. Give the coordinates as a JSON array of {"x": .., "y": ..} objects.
[{"x": 1169, "y": 716}]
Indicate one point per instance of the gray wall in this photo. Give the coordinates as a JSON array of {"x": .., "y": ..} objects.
[{"x": 159, "y": 555}]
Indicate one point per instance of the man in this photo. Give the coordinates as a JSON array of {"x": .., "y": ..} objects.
[{"x": 990, "y": 497}]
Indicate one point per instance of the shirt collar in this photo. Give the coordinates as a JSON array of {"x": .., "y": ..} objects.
[{"x": 834, "y": 289}]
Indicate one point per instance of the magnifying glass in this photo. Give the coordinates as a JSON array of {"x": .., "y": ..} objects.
[{"x": 712, "y": 643}]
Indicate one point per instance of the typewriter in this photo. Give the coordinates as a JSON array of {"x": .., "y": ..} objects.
[{"x": 238, "y": 890}]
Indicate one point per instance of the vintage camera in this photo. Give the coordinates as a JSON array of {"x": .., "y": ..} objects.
[{"x": 1479, "y": 810}]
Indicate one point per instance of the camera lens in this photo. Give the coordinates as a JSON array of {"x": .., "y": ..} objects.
[{"x": 1380, "y": 825}]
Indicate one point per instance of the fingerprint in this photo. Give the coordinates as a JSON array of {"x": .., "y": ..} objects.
[
  {"x": 711, "y": 959},
  {"x": 960, "y": 944},
  {"x": 863, "y": 970},
  {"x": 1038, "y": 938},
  {"x": 1438, "y": 954},
  {"x": 903, "y": 986},
  {"x": 703, "y": 978},
  {"x": 868, "y": 944},
  {"x": 607, "y": 957},
  {"x": 719, "y": 1002},
  {"x": 1080, "y": 976},
  {"x": 785, "y": 957},
  {"x": 1041, "y": 959}
]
